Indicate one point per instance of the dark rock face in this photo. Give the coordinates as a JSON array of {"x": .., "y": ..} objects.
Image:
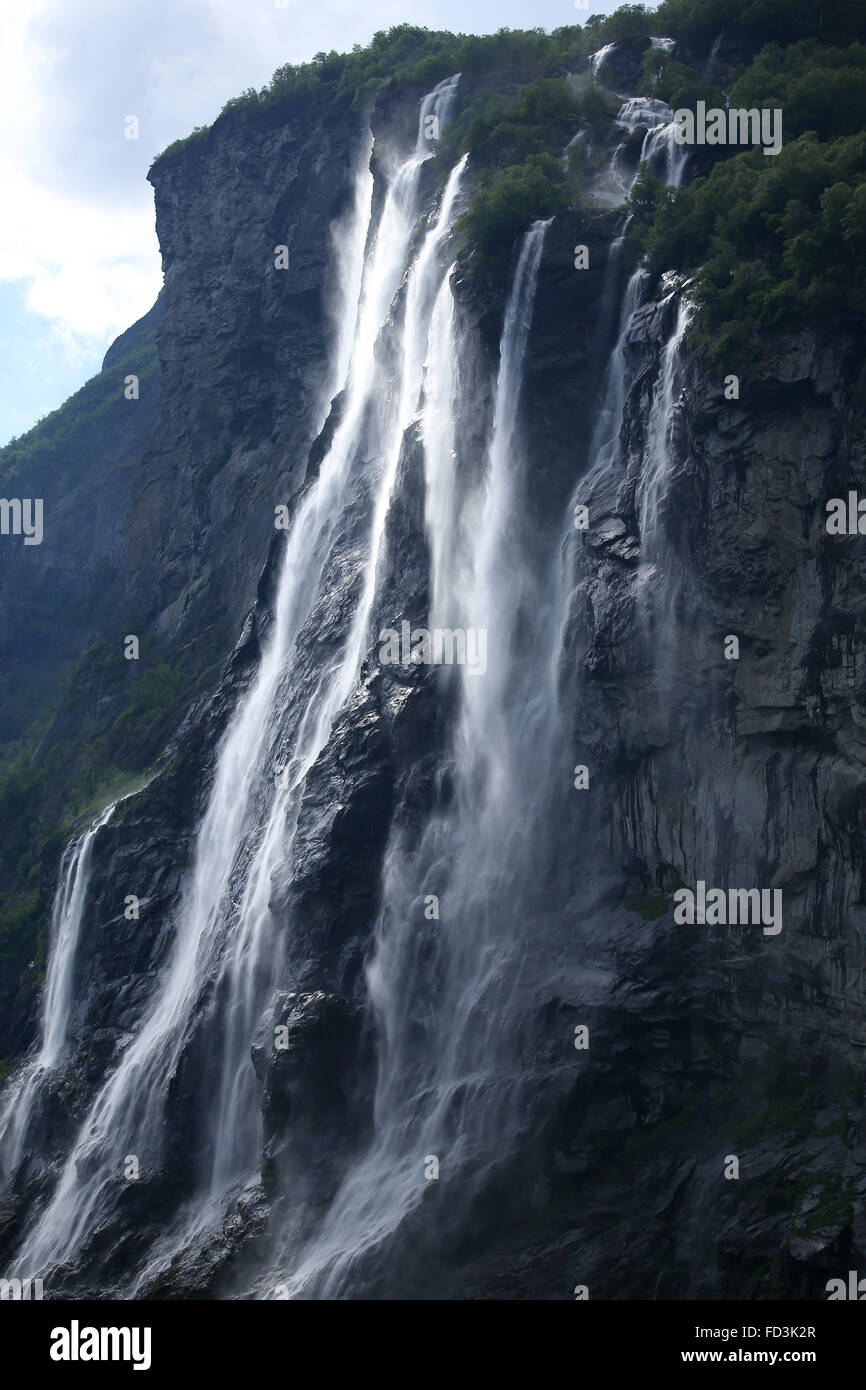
[
  {"x": 734, "y": 772},
  {"x": 704, "y": 1043},
  {"x": 244, "y": 349}
]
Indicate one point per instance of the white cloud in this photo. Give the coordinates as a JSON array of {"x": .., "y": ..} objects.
[
  {"x": 90, "y": 265},
  {"x": 78, "y": 230},
  {"x": 90, "y": 270}
]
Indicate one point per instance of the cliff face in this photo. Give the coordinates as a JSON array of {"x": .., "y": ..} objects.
[
  {"x": 244, "y": 351},
  {"x": 706, "y": 1042},
  {"x": 608, "y": 1165},
  {"x": 718, "y": 1040}
]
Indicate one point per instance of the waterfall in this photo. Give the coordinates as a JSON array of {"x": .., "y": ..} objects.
[
  {"x": 66, "y": 918},
  {"x": 226, "y": 951},
  {"x": 445, "y": 990},
  {"x": 348, "y": 242},
  {"x": 604, "y": 449},
  {"x": 654, "y": 475},
  {"x": 710, "y": 71},
  {"x": 448, "y": 1081},
  {"x": 444, "y": 522},
  {"x": 605, "y": 439},
  {"x": 605, "y": 489},
  {"x": 611, "y": 283},
  {"x": 660, "y": 150},
  {"x": 659, "y": 579},
  {"x": 596, "y": 59},
  {"x": 604, "y": 478}
]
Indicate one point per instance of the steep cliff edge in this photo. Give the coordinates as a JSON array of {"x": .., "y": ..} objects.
[{"x": 245, "y": 349}]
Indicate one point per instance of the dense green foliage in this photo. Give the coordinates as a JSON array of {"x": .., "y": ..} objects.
[
  {"x": 403, "y": 56},
  {"x": 699, "y": 22},
  {"x": 541, "y": 113},
  {"x": 510, "y": 199},
  {"x": 525, "y": 109},
  {"x": 409, "y": 56},
  {"x": 676, "y": 83},
  {"x": 818, "y": 88},
  {"x": 516, "y": 144},
  {"x": 776, "y": 241}
]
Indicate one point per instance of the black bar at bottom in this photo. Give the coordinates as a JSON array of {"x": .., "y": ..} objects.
[{"x": 278, "y": 1341}]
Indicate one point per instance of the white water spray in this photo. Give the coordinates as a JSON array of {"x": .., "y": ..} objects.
[
  {"x": 660, "y": 150},
  {"x": 439, "y": 1088},
  {"x": 227, "y": 949},
  {"x": 596, "y": 59},
  {"x": 65, "y": 930},
  {"x": 657, "y": 463}
]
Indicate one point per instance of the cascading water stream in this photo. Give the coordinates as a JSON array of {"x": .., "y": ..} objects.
[
  {"x": 57, "y": 999},
  {"x": 603, "y": 488},
  {"x": 444, "y": 522},
  {"x": 596, "y": 59},
  {"x": 349, "y": 245},
  {"x": 329, "y": 697},
  {"x": 236, "y": 1144},
  {"x": 660, "y": 150},
  {"x": 604, "y": 476},
  {"x": 450, "y": 1076},
  {"x": 659, "y": 579},
  {"x": 658, "y": 454},
  {"x": 446, "y": 1077},
  {"x": 220, "y": 948},
  {"x": 605, "y": 438},
  {"x": 605, "y": 445}
]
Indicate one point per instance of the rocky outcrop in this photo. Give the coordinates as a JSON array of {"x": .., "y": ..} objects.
[{"x": 244, "y": 350}]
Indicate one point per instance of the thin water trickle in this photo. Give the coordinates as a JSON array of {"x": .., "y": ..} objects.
[{"x": 57, "y": 998}]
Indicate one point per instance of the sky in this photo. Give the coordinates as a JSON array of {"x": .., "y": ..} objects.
[{"x": 79, "y": 260}]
